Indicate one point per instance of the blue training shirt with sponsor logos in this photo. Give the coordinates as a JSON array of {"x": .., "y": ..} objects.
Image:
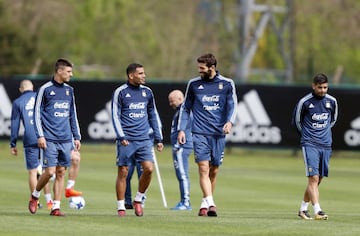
[
  {"x": 174, "y": 132},
  {"x": 212, "y": 102},
  {"x": 23, "y": 111},
  {"x": 314, "y": 117},
  {"x": 134, "y": 113},
  {"x": 55, "y": 113}
]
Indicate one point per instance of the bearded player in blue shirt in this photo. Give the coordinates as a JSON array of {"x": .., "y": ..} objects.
[
  {"x": 57, "y": 130},
  {"x": 314, "y": 116},
  {"x": 212, "y": 99},
  {"x": 133, "y": 114}
]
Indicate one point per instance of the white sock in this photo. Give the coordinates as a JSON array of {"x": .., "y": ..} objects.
[
  {"x": 56, "y": 205},
  {"x": 70, "y": 183},
  {"x": 121, "y": 205},
  {"x": 210, "y": 201},
  {"x": 36, "y": 193},
  {"x": 204, "y": 203},
  {"x": 48, "y": 197},
  {"x": 53, "y": 177},
  {"x": 139, "y": 197},
  {"x": 304, "y": 206},
  {"x": 316, "y": 207}
]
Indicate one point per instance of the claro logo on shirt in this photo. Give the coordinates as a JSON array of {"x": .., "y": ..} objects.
[
  {"x": 61, "y": 105},
  {"x": 253, "y": 124},
  {"x": 5, "y": 112}
]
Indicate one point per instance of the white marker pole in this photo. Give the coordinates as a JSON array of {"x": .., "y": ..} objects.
[{"x": 159, "y": 179}]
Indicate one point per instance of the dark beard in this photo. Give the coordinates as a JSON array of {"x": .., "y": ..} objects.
[{"x": 205, "y": 75}]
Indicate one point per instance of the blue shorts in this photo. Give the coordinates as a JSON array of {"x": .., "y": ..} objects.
[
  {"x": 316, "y": 160},
  {"x": 32, "y": 157},
  {"x": 137, "y": 150},
  {"x": 209, "y": 148},
  {"x": 57, "y": 154}
]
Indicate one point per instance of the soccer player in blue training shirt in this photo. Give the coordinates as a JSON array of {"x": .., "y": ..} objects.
[
  {"x": 133, "y": 114},
  {"x": 57, "y": 130},
  {"x": 23, "y": 111},
  {"x": 180, "y": 153},
  {"x": 212, "y": 99},
  {"x": 314, "y": 116}
]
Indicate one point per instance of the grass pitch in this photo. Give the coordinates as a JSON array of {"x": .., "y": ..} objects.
[{"x": 258, "y": 193}]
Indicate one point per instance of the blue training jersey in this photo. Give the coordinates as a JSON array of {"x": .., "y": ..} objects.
[
  {"x": 55, "y": 113},
  {"x": 134, "y": 114},
  {"x": 212, "y": 102},
  {"x": 174, "y": 132},
  {"x": 314, "y": 117},
  {"x": 23, "y": 111}
]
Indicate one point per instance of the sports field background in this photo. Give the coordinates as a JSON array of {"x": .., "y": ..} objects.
[{"x": 258, "y": 193}]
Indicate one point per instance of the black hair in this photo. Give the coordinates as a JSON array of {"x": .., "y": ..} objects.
[
  {"x": 208, "y": 59},
  {"x": 131, "y": 68},
  {"x": 62, "y": 63},
  {"x": 320, "y": 79}
]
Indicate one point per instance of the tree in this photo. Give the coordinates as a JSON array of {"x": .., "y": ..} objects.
[{"x": 166, "y": 36}]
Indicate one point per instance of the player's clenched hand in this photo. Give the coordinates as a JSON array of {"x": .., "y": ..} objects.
[
  {"x": 77, "y": 144},
  {"x": 13, "y": 151},
  {"x": 124, "y": 142},
  {"x": 159, "y": 146},
  {"x": 42, "y": 143},
  {"x": 227, "y": 127},
  {"x": 181, "y": 137}
]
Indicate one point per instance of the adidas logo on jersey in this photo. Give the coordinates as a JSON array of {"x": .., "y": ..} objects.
[
  {"x": 253, "y": 124},
  {"x": 5, "y": 112},
  {"x": 30, "y": 105},
  {"x": 352, "y": 136},
  {"x": 102, "y": 127}
]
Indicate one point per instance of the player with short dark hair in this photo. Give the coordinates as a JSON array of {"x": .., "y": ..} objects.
[
  {"x": 133, "y": 114},
  {"x": 212, "y": 100},
  {"x": 314, "y": 116},
  {"x": 57, "y": 130}
]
